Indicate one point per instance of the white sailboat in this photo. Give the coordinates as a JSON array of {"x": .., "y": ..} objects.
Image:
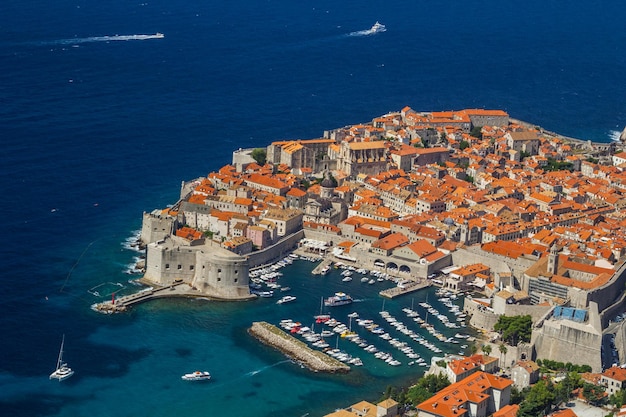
[{"x": 63, "y": 371}]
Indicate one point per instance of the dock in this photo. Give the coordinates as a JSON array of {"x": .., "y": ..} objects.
[
  {"x": 313, "y": 360},
  {"x": 318, "y": 269},
  {"x": 176, "y": 290},
  {"x": 407, "y": 288}
]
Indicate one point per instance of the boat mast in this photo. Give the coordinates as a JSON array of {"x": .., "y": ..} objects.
[{"x": 60, "y": 360}]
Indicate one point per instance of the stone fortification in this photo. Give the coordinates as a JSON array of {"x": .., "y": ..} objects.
[
  {"x": 498, "y": 263},
  {"x": 156, "y": 226},
  {"x": 556, "y": 339},
  {"x": 242, "y": 157},
  {"x": 295, "y": 349},
  {"x": 485, "y": 318},
  {"x": 276, "y": 251},
  {"x": 611, "y": 292},
  {"x": 208, "y": 268}
]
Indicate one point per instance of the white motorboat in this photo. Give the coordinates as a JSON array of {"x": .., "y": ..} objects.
[
  {"x": 286, "y": 299},
  {"x": 377, "y": 27},
  {"x": 196, "y": 376},
  {"x": 63, "y": 371}
]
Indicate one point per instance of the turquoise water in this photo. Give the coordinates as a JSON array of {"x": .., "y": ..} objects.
[{"x": 148, "y": 349}]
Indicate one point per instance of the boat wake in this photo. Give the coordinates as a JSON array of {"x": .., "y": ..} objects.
[
  {"x": 113, "y": 38},
  {"x": 377, "y": 28},
  {"x": 614, "y": 135},
  {"x": 258, "y": 371}
]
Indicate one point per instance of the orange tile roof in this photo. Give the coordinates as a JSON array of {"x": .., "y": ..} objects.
[
  {"x": 473, "y": 389},
  {"x": 390, "y": 241},
  {"x": 616, "y": 373}
]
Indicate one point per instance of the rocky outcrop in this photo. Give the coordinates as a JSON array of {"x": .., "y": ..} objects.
[
  {"x": 622, "y": 136},
  {"x": 312, "y": 359}
]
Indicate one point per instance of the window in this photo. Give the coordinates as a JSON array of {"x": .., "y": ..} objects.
[
  {"x": 219, "y": 279},
  {"x": 219, "y": 270},
  {"x": 191, "y": 267},
  {"x": 180, "y": 266},
  {"x": 236, "y": 279},
  {"x": 167, "y": 266}
]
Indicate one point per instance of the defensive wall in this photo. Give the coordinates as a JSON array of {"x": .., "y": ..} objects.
[
  {"x": 610, "y": 293},
  {"x": 155, "y": 227},
  {"x": 482, "y": 317},
  {"x": 498, "y": 263},
  {"x": 275, "y": 252},
  {"x": 556, "y": 339}
]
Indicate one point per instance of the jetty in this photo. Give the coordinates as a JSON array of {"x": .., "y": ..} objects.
[
  {"x": 318, "y": 269},
  {"x": 313, "y": 360},
  {"x": 406, "y": 288},
  {"x": 123, "y": 303}
]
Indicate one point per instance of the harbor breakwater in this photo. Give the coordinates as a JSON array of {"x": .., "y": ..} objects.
[{"x": 314, "y": 360}]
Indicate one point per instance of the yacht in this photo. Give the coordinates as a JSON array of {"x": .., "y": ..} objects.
[
  {"x": 339, "y": 299},
  {"x": 196, "y": 376},
  {"x": 286, "y": 299},
  {"x": 63, "y": 371},
  {"x": 377, "y": 27}
]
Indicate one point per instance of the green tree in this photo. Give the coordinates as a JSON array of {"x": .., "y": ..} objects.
[
  {"x": 425, "y": 388},
  {"x": 259, "y": 155},
  {"x": 518, "y": 396},
  {"x": 618, "y": 399},
  {"x": 477, "y": 132},
  {"x": 486, "y": 349},
  {"x": 464, "y": 144},
  {"x": 514, "y": 329},
  {"x": 538, "y": 401},
  {"x": 503, "y": 349},
  {"x": 563, "y": 390},
  {"x": 593, "y": 394}
]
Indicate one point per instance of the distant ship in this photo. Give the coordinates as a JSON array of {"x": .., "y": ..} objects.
[
  {"x": 339, "y": 299},
  {"x": 377, "y": 27}
]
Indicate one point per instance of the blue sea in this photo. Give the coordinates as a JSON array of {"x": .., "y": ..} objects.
[{"x": 99, "y": 125}]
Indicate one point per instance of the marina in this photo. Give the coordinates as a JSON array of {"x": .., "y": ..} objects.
[{"x": 397, "y": 336}]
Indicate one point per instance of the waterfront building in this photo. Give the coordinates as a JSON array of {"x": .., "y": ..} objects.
[
  {"x": 385, "y": 408},
  {"x": 362, "y": 157},
  {"x": 479, "y": 394}
]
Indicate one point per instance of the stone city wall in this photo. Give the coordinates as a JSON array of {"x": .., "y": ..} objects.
[
  {"x": 275, "y": 252},
  {"x": 557, "y": 339}
]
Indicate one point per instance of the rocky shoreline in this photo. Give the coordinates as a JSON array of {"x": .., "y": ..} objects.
[{"x": 314, "y": 360}]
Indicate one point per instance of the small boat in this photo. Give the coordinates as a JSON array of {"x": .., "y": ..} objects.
[
  {"x": 286, "y": 299},
  {"x": 285, "y": 289},
  {"x": 63, "y": 371},
  {"x": 196, "y": 376},
  {"x": 347, "y": 279}
]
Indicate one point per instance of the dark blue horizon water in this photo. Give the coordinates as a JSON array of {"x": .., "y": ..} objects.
[{"x": 96, "y": 132}]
